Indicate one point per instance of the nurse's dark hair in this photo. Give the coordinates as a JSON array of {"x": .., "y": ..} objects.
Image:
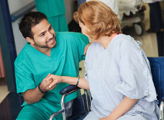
[{"x": 29, "y": 20}]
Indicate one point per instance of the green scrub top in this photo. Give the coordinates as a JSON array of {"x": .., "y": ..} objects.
[
  {"x": 32, "y": 66},
  {"x": 50, "y": 7}
]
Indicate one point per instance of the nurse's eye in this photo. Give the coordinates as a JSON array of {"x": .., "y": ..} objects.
[
  {"x": 42, "y": 34},
  {"x": 50, "y": 28}
]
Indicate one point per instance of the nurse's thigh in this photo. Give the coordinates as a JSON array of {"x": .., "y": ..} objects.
[
  {"x": 30, "y": 112},
  {"x": 91, "y": 116}
]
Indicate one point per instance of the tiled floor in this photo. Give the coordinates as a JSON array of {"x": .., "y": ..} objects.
[{"x": 10, "y": 107}]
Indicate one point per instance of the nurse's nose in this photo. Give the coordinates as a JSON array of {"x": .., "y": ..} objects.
[{"x": 49, "y": 35}]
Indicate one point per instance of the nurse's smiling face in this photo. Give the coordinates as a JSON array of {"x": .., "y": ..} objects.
[{"x": 43, "y": 35}]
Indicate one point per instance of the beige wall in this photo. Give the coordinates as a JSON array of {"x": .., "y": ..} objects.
[
  {"x": 15, "y": 5},
  {"x": 69, "y": 5}
]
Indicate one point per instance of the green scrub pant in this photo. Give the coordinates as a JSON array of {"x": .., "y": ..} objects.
[
  {"x": 39, "y": 112},
  {"x": 59, "y": 23}
]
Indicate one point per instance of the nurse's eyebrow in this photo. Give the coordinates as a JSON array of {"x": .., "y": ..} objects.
[{"x": 42, "y": 33}]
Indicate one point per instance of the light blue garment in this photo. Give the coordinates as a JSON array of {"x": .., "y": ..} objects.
[
  {"x": 91, "y": 116},
  {"x": 118, "y": 71}
]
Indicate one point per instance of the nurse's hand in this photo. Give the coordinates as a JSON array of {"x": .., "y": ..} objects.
[
  {"x": 54, "y": 80},
  {"x": 44, "y": 85}
]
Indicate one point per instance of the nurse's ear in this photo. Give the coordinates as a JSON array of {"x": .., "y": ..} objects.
[{"x": 30, "y": 40}]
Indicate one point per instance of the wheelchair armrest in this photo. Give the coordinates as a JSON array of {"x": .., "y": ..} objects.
[
  {"x": 55, "y": 114},
  {"x": 69, "y": 89},
  {"x": 161, "y": 107}
]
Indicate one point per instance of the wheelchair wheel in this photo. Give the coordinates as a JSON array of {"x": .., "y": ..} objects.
[{"x": 138, "y": 27}]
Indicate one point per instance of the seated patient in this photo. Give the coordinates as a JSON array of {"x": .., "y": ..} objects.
[{"x": 117, "y": 69}]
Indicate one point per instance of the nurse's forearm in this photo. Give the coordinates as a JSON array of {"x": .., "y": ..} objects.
[
  {"x": 32, "y": 96},
  {"x": 125, "y": 105}
]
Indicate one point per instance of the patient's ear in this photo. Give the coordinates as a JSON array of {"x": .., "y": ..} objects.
[{"x": 30, "y": 40}]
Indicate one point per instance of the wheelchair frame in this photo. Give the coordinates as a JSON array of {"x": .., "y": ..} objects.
[
  {"x": 161, "y": 107},
  {"x": 66, "y": 91}
]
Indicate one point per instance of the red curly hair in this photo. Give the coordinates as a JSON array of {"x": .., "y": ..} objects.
[{"x": 99, "y": 18}]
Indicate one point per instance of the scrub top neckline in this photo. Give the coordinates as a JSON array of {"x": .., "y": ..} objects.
[{"x": 40, "y": 53}]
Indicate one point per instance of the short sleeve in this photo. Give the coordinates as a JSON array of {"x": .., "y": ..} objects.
[
  {"x": 81, "y": 42},
  {"x": 24, "y": 78},
  {"x": 76, "y": 42},
  {"x": 136, "y": 80}
]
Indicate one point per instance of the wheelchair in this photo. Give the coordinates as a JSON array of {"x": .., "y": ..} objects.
[
  {"x": 79, "y": 107},
  {"x": 75, "y": 109},
  {"x": 157, "y": 70}
]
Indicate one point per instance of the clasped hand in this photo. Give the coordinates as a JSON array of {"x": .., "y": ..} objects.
[
  {"x": 53, "y": 80},
  {"x": 49, "y": 82}
]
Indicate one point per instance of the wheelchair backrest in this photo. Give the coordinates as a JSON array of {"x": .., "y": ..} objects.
[{"x": 157, "y": 69}]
